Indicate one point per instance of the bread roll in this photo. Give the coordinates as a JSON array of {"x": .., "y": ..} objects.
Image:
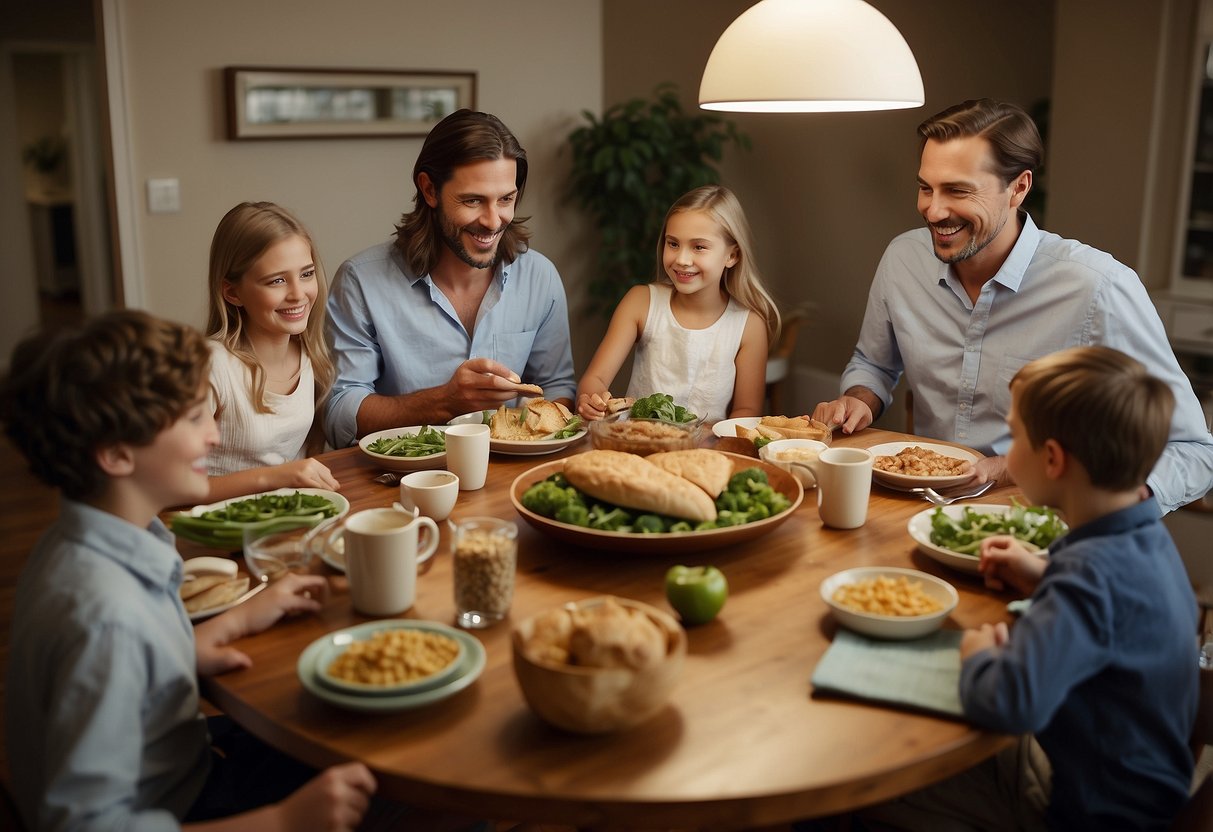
[
  {"x": 707, "y": 469},
  {"x": 632, "y": 482}
]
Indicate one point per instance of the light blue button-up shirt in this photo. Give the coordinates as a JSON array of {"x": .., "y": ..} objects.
[
  {"x": 959, "y": 356},
  {"x": 102, "y": 725},
  {"x": 394, "y": 332}
]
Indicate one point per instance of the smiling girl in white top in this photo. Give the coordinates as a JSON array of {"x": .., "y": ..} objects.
[
  {"x": 701, "y": 329},
  {"x": 270, "y": 364}
]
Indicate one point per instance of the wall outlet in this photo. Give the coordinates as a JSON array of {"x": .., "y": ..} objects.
[{"x": 163, "y": 196}]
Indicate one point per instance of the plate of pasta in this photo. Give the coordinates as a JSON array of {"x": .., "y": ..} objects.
[{"x": 905, "y": 465}]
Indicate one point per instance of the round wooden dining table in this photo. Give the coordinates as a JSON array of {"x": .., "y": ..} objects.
[{"x": 743, "y": 741}]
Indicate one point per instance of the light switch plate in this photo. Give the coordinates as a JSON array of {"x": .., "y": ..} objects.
[{"x": 163, "y": 196}]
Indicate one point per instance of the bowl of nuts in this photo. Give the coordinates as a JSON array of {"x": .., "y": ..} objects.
[
  {"x": 393, "y": 658},
  {"x": 621, "y": 432},
  {"x": 599, "y": 665},
  {"x": 888, "y": 602}
]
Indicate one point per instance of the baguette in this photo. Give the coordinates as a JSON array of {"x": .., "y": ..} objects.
[
  {"x": 631, "y": 481},
  {"x": 707, "y": 469}
]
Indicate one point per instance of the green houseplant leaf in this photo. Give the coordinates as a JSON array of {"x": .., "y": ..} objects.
[{"x": 629, "y": 166}]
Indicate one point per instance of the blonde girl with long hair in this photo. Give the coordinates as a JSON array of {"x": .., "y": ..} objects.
[
  {"x": 270, "y": 363},
  {"x": 701, "y": 329}
]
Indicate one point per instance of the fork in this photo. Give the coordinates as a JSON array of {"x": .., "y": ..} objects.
[{"x": 936, "y": 498}]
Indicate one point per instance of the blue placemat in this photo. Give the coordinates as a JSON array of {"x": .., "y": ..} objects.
[{"x": 923, "y": 673}]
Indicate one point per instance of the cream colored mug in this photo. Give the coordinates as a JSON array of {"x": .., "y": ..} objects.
[
  {"x": 431, "y": 493},
  {"x": 844, "y": 482},
  {"x": 382, "y": 549}
]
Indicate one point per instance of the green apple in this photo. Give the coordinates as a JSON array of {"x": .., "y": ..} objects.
[{"x": 696, "y": 592}]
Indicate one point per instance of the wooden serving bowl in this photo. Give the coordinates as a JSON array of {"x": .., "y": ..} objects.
[{"x": 594, "y": 700}]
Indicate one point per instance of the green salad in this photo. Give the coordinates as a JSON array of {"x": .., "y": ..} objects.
[
  {"x": 1038, "y": 525},
  {"x": 224, "y": 527},
  {"x": 424, "y": 442},
  {"x": 661, "y": 406},
  {"x": 748, "y": 497}
]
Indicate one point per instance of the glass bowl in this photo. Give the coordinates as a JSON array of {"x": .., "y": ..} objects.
[{"x": 620, "y": 432}]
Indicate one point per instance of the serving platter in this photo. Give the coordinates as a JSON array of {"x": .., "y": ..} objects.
[
  {"x": 403, "y": 463},
  {"x": 517, "y": 447},
  {"x": 904, "y": 482},
  {"x": 668, "y": 543},
  {"x": 342, "y": 504}
]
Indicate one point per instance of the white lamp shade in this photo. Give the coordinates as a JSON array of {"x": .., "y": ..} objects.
[{"x": 805, "y": 56}]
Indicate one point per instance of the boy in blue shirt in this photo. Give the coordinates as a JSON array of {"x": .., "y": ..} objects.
[
  {"x": 1102, "y": 668},
  {"x": 102, "y": 722}
]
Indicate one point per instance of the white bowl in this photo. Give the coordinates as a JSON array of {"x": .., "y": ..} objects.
[
  {"x": 890, "y": 626},
  {"x": 402, "y": 463},
  {"x": 779, "y": 451}
]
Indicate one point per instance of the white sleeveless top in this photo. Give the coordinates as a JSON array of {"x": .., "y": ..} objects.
[
  {"x": 248, "y": 439},
  {"x": 695, "y": 366}
]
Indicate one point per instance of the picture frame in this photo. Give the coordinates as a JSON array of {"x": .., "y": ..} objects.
[{"x": 296, "y": 103}]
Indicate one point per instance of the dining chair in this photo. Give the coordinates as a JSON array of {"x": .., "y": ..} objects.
[
  {"x": 779, "y": 357},
  {"x": 1197, "y": 815}
]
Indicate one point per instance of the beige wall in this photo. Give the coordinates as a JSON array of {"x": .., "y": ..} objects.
[{"x": 539, "y": 63}]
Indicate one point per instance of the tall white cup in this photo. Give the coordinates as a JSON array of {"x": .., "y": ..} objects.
[
  {"x": 430, "y": 493},
  {"x": 382, "y": 550},
  {"x": 844, "y": 482},
  {"x": 467, "y": 454}
]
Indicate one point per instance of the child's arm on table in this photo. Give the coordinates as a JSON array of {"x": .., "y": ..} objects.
[
  {"x": 1005, "y": 562},
  {"x": 298, "y": 473},
  {"x": 750, "y": 382},
  {"x": 625, "y": 329},
  {"x": 988, "y": 635},
  {"x": 212, "y": 638}
]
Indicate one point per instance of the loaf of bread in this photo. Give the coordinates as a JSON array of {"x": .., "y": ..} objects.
[
  {"x": 708, "y": 469},
  {"x": 632, "y": 482}
]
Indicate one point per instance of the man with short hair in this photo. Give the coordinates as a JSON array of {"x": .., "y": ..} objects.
[
  {"x": 961, "y": 305},
  {"x": 458, "y": 310}
]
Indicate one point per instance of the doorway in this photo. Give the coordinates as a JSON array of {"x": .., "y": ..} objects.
[{"x": 58, "y": 251}]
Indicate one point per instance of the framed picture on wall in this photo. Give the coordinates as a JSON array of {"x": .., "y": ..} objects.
[{"x": 284, "y": 103}]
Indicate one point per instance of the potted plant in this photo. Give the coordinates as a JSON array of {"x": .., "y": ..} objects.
[
  {"x": 628, "y": 169},
  {"x": 44, "y": 154}
]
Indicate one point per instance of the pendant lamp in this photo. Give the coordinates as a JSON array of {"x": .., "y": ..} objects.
[{"x": 810, "y": 56}]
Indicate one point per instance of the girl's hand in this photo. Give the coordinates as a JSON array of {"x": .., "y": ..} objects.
[
  {"x": 1005, "y": 562},
  {"x": 306, "y": 473},
  {"x": 593, "y": 406}
]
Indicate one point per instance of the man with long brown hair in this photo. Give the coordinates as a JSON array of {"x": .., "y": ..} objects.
[
  {"x": 456, "y": 312},
  {"x": 959, "y": 306}
]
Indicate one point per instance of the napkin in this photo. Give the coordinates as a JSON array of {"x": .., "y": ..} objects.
[{"x": 923, "y": 673}]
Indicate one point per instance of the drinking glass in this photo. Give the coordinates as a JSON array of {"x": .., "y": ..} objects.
[{"x": 280, "y": 547}]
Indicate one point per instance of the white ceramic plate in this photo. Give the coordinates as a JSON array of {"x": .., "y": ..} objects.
[
  {"x": 342, "y": 504},
  {"x": 338, "y": 643},
  {"x": 469, "y": 669},
  {"x": 518, "y": 447},
  {"x": 919, "y": 528},
  {"x": 728, "y": 427},
  {"x": 403, "y": 463},
  {"x": 890, "y": 626},
  {"x": 904, "y": 481},
  {"x": 202, "y": 615}
]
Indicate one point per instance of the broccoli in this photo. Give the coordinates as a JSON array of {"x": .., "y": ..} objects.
[
  {"x": 648, "y": 524},
  {"x": 609, "y": 520},
  {"x": 547, "y": 498},
  {"x": 740, "y": 482},
  {"x": 575, "y": 514},
  {"x": 680, "y": 526}
]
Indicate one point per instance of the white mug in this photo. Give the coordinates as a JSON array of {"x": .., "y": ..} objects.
[
  {"x": 467, "y": 454},
  {"x": 382, "y": 550},
  {"x": 431, "y": 493},
  {"x": 844, "y": 481}
]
